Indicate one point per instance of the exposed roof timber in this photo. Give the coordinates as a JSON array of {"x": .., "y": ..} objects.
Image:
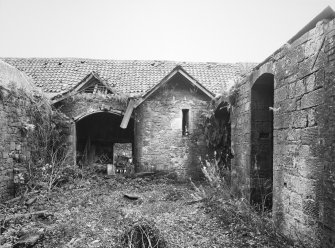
[
  {"x": 327, "y": 13},
  {"x": 176, "y": 70},
  {"x": 88, "y": 78},
  {"x": 79, "y": 86},
  {"x": 127, "y": 115}
]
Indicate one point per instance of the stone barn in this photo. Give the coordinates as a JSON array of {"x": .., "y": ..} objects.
[
  {"x": 282, "y": 123},
  {"x": 283, "y": 134},
  {"x": 159, "y": 103}
]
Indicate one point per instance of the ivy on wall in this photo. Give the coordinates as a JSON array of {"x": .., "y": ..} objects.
[
  {"x": 44, "y": 155},
  {"x": 217, "y": 130}
]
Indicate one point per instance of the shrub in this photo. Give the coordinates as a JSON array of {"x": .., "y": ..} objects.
[
  {"x": 43, "y": 132},
  {"x": 143, "y": 234},
  {"x": 234, "y": 211}
]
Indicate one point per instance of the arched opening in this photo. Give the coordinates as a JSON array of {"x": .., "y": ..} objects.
[
  {"x": 261, "y": 171},
  {"x": 99, "y": 135}
]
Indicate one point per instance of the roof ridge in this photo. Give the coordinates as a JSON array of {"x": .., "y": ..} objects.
[
  {"x": 124, "y": 60},
  {"x": 133, "y": 77}
]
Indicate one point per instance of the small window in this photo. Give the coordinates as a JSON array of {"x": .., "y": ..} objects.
[
  {"x": 264, "y": 135},
  {"x": 185, "y": 122}
]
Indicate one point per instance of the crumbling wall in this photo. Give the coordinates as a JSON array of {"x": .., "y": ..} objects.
[
  {"x": 14, "y": 146},
  {"x": 304, "y": 131},
  {"x": 159, "y": 140}
]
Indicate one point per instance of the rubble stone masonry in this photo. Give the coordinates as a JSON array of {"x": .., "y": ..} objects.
[
  {"x": 14, "y": 147},
  {"x": 159, "y": 140},
  {"x": 303, "y": 135}
]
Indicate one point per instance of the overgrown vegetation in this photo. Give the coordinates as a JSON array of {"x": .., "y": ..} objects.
[
  {"x": 143, "y": 234},
  {"x": 89, "y": 209},
  {"x": 92, "y": 211},
  {"x": 217, "y": 133},
  {"x": 44, "y": 132},
  {"x": 237, "y": 213}
]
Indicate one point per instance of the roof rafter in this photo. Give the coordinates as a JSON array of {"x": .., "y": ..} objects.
[{"x": 81, "y": 85}]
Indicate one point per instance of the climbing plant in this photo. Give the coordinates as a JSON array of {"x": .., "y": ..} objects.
[
  {"x": 218, "y": 131},
  {"x": 42, "y": 134}
]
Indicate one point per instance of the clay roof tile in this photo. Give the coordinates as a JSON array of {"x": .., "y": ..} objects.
[{"x": 61, "y": 74}]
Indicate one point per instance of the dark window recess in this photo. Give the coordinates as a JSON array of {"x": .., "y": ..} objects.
[
  {"x": 264, "y": 135},
  {"x": 185, "y": 122}
]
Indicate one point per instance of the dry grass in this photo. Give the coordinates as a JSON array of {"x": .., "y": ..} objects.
[{"x": 92, "y": 212}]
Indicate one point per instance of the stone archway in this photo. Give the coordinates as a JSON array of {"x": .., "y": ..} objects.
[
  {"x": 261, "y": 170},
  {"x": 96, "y": 133}
]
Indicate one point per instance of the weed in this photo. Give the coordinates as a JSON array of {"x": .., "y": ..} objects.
[
  {"x": 143, "y": 234},
  {"x": 234, "y": 212}
]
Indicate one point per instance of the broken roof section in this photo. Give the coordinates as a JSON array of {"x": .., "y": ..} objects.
[
  {"x": 133, "y": 78},
  {"x": 92, "y": 83},
  {"x": 10, "y": 75}
]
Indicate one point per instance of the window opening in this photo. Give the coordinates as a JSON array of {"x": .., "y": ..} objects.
[{"x": 185, "y": 122}]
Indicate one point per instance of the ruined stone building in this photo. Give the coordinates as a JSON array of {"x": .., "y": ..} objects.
[
  {"x": 161, "y": 103},
  {"x": 282, "y": 121}
]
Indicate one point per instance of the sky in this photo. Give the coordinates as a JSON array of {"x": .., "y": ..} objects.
[{"x": 178, "y": 30}]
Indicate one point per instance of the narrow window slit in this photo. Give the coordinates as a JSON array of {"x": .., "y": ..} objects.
[{"x": 185, "y": 122}]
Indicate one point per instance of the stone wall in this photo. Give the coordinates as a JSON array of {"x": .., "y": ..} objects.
[
  {"x": 14, "y": 146},
  {"x": 303, "y": 135},
  {"x": 83, "y": 104},
  {"x": 159, "y": 140}
]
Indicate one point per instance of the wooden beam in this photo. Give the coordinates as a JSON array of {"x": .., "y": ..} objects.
[{"x": 128, "y": 113}]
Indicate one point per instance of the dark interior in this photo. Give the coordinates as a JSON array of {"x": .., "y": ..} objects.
[
  {"x": 96, "y": 135},
  {"x": 262, "y": 94}
]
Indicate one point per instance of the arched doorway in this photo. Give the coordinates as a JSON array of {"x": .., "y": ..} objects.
[
  {"x": 97, "y": 134},
  {"x": 262, "y": 99}
]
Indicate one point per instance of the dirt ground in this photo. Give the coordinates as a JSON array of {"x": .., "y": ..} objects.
[{"x": 93, "y": 212}]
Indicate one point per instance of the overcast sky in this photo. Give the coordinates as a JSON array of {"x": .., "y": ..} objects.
[{"x": 182, "y": 30}]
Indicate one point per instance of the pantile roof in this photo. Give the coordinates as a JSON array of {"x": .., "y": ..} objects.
[{"x": 131, "y": 77}]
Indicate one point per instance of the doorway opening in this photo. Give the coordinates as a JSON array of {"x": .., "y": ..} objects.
[
  {"x": 96, "y": 135},
  {"x": 261, "y": 170}
]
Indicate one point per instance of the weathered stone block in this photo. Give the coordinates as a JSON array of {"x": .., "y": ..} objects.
[
  {"x": 309, "y": 135},
  {"x": 311, "y": 208},
  {"x": 282, "y": 121},
  {"x": 300, "y": 88},
  {"x": 12, "y": 145},
  {"x": 312, "y": 99},
  {"x": 293, "y": 134},
  {"x": 5, "y": 155},
  {"x": 299, "y": 119},
  {"x": 310, "y": 82},
  {"x": 281, "y": 93}
]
